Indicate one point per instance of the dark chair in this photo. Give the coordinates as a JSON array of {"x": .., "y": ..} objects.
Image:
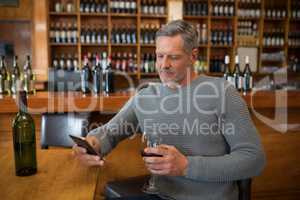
[
  {"x": 244, "y": 189},
  {"x": 131, "y": 188},
  {"x": 56, "y": 127}
]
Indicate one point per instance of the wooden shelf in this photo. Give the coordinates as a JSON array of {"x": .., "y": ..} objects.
[
  {"x": 294, "y": 19},
  {"x": 294, "y": 47},
  {"x": 94, "y": 45},
  {"x": 63, "y": 14},
  {"x": 149, "y": 74},
  {"x": 273, "y": 47},
  {"x": 203, "y": 46},
  {"x": 63, "y": 44},
  {"x": 194, "y": 17},
  {"x": 274, "y": 19},
  {"x": 93, "y": 14},
  {"x": 153, "y": 16},
  {"x": 148, "y": 45},
  {"x": 124, "y": 45},
  {"x": 222, "y": 17},
  {"x": 116, "y": 15},
  {"x": 221, "y": 46},
  {"x": 248, "y": 18}
]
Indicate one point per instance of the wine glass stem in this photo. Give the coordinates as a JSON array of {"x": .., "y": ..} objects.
[{"x": 152, "y": 180}]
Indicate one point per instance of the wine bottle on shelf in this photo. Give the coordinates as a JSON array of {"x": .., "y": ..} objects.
[
  {"x": 85, "y": 76},
  {"x": 131, "y": 67},
  {"x": 70, "y": 7},
  {"x": 109, "y": 77},
  {"x": 28, "y": 77},
  {"x": 15, "y": 77},
  {"x": 74, "y": 33},
  {"x": 62, "y": 63},
  {"x": 58, "y": 6},
  {"x": 124, "y": 62},
  {"x": 237, "y": 75},
  {"x": 63, "y": 33},
  {"x": 69, "y": 63},
  {"x": 227, "y": 71},
  {"x": 247, "y": 79},
  {"x": 24, "y": 140},
  {"x": 57, "y": 33},
  {"x": 97, "y": 76},
  {"x": 55, "y": 63},
  {"x": 4, "y": 77}
]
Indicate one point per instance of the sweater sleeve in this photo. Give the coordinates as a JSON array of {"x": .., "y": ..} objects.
[
  {"x": 246, "y": 156},
  {"x": 124, "y": 124}
]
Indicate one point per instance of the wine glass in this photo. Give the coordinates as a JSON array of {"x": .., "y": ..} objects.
[{"x": 151, "y": 140}]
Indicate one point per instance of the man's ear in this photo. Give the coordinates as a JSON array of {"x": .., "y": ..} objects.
[{"x": 194, "y": 55}]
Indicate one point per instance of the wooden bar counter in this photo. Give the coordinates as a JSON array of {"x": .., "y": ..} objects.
[
  {"x": 59, "y": 176},
  {"x": 45, "y": 102}
]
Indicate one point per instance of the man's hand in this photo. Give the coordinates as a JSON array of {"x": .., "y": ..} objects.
[
  {"x": 87, "y": 159},
  {"x": 173, "y": 163}
]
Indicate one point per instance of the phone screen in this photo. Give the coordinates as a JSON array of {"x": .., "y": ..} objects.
[{"x": 83, "y": 143}]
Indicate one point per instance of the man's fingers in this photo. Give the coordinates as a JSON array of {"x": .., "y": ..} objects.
[
  {"x": 159, "y": 172},
  {"x": 164, "y": 166},
  {"x": 95, "y": 163},
  {"x": 155, "y": 160},
  {"x": 87, "y": 157},
  {"x": 159, "y": 150},
  {"x": 78, "y": 150}
]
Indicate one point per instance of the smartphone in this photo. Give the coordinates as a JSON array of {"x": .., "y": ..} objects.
[
  {"x": 80, "y": 141},
  {"x": 144, "y": 154}
]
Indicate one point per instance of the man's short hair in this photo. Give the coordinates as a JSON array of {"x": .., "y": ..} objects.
[{"x": 184, "y": 29}]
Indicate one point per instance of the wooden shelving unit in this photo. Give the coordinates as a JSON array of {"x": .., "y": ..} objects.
[
  {"x": 262, "y": 23},
  {"x": 207, "y": 50},
  {"x": 110, "y": 20}
]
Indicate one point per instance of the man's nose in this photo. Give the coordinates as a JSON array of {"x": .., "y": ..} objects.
[{"x": 165, "y": 62}]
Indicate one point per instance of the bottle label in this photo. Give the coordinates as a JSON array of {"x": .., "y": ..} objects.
[{"x": 240, "y": 82}]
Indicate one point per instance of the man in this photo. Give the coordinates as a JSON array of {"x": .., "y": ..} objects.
[{"x": 209, "y": 140}]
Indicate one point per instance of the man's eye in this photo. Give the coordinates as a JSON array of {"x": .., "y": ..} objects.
[
  {"x": 159, "y": 56},
  {"x": 174, "y": 57}
]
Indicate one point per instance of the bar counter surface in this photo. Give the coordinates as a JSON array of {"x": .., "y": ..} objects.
[
  {"x": 44, "y": 102},
  {"x": 59, "y": 176}
]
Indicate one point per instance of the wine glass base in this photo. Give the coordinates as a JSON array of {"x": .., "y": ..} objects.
[{"x": 148, "y": 189}]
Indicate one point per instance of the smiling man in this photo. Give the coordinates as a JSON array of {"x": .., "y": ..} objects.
[{"x": 209, "y": 140}]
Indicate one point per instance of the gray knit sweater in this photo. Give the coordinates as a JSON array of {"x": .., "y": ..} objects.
[{"x": 208, "y": 122}]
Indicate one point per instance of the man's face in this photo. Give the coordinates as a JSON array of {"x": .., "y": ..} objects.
[{"x": 172, "y": 62}]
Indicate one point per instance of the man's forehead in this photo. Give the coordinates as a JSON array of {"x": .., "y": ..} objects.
[{"x": 167, "y": 44}]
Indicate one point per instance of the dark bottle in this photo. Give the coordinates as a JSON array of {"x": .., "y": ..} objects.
[
  {"x": 3, "y": 76},
  {"x": 109, "y": 77},
  {"x": 82, "y": 35},
  {"x": 55, "y": 64},
  {"x": 248, "y": 79},
  {"x": 85, "y": 76},
  {"x": 24, "y": 140},
  {"x": 28, "y": 76},
  {"x": 63, "y": 33},
  {"x": 62, "y": 63},
  {"x": 69, "y": 63},
  {"x": 130, "y": 63},
  {"x": 237, "y": 76},
  {"x": 15, "y": 76},
  {"x": 97, "y": 76}
]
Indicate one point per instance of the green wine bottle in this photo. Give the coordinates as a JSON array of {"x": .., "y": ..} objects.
[{"x": 24, "y": 140}]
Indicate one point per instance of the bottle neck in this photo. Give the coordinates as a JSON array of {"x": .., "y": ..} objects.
[{"x": 22, "y": 102}]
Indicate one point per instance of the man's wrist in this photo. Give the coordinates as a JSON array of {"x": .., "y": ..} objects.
[{"x": 186, "y": 164}]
